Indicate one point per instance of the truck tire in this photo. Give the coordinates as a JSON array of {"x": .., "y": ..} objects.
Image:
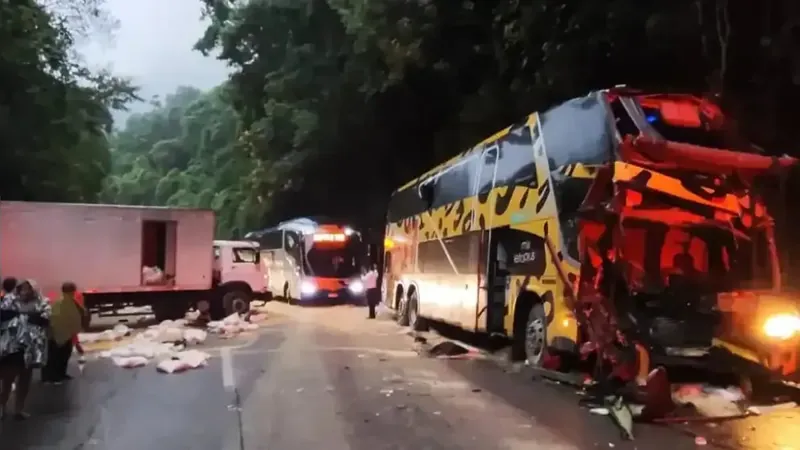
[{"x": 236, "y": 302}]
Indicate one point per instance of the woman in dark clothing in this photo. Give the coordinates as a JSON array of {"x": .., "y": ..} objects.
[{"x": 24, "y": 322}]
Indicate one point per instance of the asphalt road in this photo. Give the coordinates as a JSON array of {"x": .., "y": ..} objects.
[{"x": 328, "y": 378}]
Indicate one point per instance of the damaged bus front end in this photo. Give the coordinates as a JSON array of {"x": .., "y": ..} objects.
[{"x": 679, "y": 264}]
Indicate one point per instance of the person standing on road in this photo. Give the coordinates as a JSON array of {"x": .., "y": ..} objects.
[
  {"x": 373, "y": 294},
  {"x": 67, "y": 320},
  {"x": 24, "y": 322}
]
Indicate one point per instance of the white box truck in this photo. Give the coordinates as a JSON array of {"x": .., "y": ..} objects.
[{"x": 121, "y": 256}]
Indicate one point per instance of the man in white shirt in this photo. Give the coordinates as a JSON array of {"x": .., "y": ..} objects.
[{"x": 370, "y": 280}]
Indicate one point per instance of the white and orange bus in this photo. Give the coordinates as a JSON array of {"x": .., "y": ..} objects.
[{"x": 310, "y": 261}]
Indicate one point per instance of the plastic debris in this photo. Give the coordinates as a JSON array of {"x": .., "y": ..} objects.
[
  {"x": 129, "y": 362},
  {"x": 710, "y": 401},
  {"x": 183, "y": 361},
  {"x": 231, "y": 326},
  {"x": 195, "y": 358},
  {"x": 600, "y": 411},
  {"x": 115, "y": 334},
  {"x": 172, "y": 366},
  {"x": 766, "y": 409},
  {"x": 700, "y": 440}
]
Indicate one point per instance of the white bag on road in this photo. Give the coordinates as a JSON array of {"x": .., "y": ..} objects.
[{"x": 130, "y": 362}]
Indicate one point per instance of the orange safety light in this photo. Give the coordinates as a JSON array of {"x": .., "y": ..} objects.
[{"x": 388, "y": 244}]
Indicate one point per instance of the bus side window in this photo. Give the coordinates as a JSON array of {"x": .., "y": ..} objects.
[
  {"x": 577, "y": 131},
  {"x": 516, "y": 165},
  {"x": 487, "y": 169},
  {"x": 455, "y": 183}
]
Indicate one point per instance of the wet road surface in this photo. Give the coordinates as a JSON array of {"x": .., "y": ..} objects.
[{"x": 328, "y": 378}]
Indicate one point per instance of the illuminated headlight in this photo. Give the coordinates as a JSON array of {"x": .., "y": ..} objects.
[
  {"x": 307, "y": 288},
  {"x": 356, "y": 287},
  {"x": 782, "y": 326}
]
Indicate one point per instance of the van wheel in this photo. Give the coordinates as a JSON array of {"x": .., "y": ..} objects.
[
  {"x": 236, "y": 302},
  {"x": 417, "y": 322},
  {"x": 535, "y": 337}
]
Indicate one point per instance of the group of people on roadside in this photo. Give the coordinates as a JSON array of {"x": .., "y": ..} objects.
[{"x": 35, "y": 334}]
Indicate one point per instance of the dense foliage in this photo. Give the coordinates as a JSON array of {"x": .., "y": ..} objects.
[
  {"x": 333, "y": 103},
  {"x": 187, "y": 152},
  {"x": 54, "y": 113}
]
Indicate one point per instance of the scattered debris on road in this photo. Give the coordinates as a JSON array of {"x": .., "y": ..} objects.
[
  {"x": 235, "y": 324},
  {"x": 183, "y": 361},
  {"x": 166, "y": 342}
]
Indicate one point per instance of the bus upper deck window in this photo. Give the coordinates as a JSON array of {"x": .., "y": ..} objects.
[
  {"x": 490, "y": 155},
  {"x": 426, "y": 191}
]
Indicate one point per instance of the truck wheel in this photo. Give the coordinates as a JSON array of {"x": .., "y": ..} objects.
[{"x": 236, "y": 302}]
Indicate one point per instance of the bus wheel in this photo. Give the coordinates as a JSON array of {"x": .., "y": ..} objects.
[
  {"x": 536, "y": 351},
  {"x": 402, "y": 312},
  {"x": 417, "y": 322}
]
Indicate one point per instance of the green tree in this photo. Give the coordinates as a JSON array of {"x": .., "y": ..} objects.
[
  {"x": 54, "y": 113},
  {"x": 187, "y": 152},
  {"x": 328, "y": 89}
]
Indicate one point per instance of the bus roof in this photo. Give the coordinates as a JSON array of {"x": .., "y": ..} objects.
[
  {"x": 302, "y": 225},
  {"x": 530, "y": 119}
]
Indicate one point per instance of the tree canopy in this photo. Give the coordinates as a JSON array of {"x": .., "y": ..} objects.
[
  {"x": 334, "y": 103},
  {"x": 54, "y": 112},
  {"x": 188, "y": 152}
]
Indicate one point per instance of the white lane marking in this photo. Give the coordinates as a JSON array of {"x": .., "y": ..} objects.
[{"x": 228, "y": 380}]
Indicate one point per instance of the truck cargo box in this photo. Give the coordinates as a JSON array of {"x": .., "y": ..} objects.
[{"x": 106, "y": 248}]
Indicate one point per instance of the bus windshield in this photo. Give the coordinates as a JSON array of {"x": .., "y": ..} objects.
[{"x": 339, "y": 262}]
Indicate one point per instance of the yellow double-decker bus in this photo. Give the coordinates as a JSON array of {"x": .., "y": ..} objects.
[
  {"x": 465, "y": 242},
  {"x": 489, "y": 241}
]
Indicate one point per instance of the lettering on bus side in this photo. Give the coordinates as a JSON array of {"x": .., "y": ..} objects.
[{"x": 525, "y": 252}]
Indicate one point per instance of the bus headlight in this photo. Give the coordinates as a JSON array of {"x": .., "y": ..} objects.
[
  {"x": 356, "y": 287},
  {"x": 307, "y": 288},
  {"x": 782, "y": 326}
]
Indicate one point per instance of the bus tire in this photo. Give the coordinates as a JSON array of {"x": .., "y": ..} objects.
[
  {"x": 236, "y": 302},
  {"x": 535, "y": 336},
  {"x": 417, "y": 322},
  {"x": 402, "y": 311}
]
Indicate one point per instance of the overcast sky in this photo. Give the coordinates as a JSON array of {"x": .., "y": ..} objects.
[{"x": 153, "y": 46}]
